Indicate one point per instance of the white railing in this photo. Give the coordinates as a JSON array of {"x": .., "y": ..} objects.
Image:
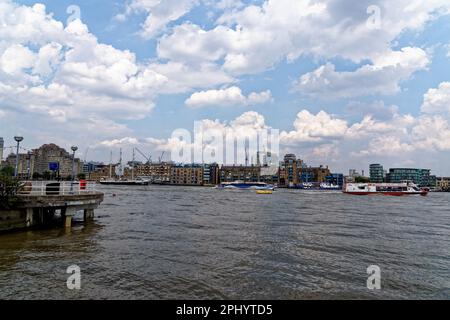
[{"x": 54, "y": 188}]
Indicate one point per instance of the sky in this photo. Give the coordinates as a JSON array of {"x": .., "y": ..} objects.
[{"x": 346, "y": 83}]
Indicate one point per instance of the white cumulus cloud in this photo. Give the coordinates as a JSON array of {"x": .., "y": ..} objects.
[
  {"x": 120, "y": 142},
  {"x": 258, "y": 36},
  {"x": 227, "y": 97},
  {"x": 159, "y": 13},
  {"x": 437, "y": 100},
  {"x": 314, "y": 128},
  {"x": 383, "y": 77}
]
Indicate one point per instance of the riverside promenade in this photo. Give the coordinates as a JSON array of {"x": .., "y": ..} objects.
[{"x": 42, "y": 203}]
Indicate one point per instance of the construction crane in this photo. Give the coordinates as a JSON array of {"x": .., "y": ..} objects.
[
  {"x": 85, "y": 154},
  {"x": 149, "y": 158},
  {"x": 162, "y": 155}
]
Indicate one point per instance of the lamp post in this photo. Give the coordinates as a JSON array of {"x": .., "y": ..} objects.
[
  {"x": 74, "y": 149},
  {"x": 18, "y": 140}
]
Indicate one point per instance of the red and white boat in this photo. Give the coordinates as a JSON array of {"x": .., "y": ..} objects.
[{"x": 387, "y": 189}]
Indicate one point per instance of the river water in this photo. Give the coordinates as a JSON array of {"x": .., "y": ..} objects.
[{"x": 161, "y": 242}]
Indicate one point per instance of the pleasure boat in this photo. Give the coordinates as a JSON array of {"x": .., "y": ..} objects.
[
  {"x": 387, "y": 189},
  {"x": 121, "y": 181},
  {"x": 318, "y": 186},
  {"x": 135, "y": 182},
  {"x": 241, "y": 185}
]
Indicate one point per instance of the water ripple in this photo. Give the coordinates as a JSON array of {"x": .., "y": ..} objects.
[{"x": 161, "y": 242}]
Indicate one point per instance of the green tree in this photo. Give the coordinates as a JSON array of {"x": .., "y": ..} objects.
[
  {"x": 7, "y": 171},
  {"x": 362, "y": 180},
  {"x": 37, "y": 176},
  {"x": 46, "y": 175},
  {"x": 81, "y": 176},
  {"x": 9, "y": 189}
]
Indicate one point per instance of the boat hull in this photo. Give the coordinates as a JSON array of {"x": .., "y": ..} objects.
[
  {"x": 394, "y": 194},
  {"x": 385, "y": 189},
  {"x": 246, "y": 186},
  {"x": 123, "y": 183},
  {"x": 317, "y": 187}
]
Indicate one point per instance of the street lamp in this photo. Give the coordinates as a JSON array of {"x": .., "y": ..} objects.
[
  {"x": 74, "y": 149},
  {"x": 18, "y": 140}
]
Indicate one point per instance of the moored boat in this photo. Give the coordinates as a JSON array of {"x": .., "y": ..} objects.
[
  {"x": 387, "y": 189},
  {"x": 317, "y": 186},
  {"x": 136, "y": 182},
  {"x": 120, "y": 181},
  {"x": 241, "y": 185}
]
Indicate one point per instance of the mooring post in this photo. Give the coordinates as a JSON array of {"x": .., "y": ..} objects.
[
  {"x": 68, "y": 221},
  {"x": 41, "y": 216},
  {"x": 29, "y": 220},
  {"x": 67, "y": 215},
  {"x": 88, "y": 215}
]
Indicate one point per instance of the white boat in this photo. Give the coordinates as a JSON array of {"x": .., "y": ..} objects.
[
  {"x": 317, "y": 186},
  {"x": 136, "y": 182},
  {"x": 121, "y": 181},
  {"x": 241, "y": 185},
  {"x": 387, "y": 189}
]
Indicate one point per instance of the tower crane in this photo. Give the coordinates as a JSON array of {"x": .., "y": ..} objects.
[
  {"x": 162, "y": 155},
  {"x": 149, "y": 158}
]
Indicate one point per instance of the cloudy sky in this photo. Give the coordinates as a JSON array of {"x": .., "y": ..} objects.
[{"x": 346, "y": 82}]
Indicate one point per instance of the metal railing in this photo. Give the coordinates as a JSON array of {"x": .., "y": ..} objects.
[{"x": 54, "y": 188}]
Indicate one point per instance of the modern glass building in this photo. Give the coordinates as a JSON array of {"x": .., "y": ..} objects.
[
  {"x": 421, "y": 177},
  {"x": 307, "y": 177},
  {"x": 336, "y": 179},
  {"x": 89, "y": 167},
  {"x": 211, "y": 174},
  {"x": 376, "y": 173}
]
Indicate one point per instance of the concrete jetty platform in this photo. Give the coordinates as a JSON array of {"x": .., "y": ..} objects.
[{"x": 40, "y": 203}]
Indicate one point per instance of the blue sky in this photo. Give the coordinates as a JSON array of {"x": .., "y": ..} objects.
[{"x": 342, "y": 92}]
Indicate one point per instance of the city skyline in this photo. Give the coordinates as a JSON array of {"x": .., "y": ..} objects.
[
  {"x": 347, "y": 85},
  {"x": 377, "y": 172}
]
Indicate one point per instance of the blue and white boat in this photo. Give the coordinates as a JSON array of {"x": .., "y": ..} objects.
[
  {"x": 318, "y": 186},
  {"x": 241, "y": 185}
]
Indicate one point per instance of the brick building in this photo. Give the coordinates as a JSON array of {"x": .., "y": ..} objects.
[
  {"x": 155, "y": 172},
  {"x": 240, "y": 173},
  {"x": 51, "y": 153},
  {"x": 189, "y": 175}
]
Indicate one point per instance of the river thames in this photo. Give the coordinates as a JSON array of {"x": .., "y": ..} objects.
[{"x": 160, "y": 242}]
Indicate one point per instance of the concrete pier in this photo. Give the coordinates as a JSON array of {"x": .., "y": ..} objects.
[
  {"x": 88, "y": 215},
  {"x": 40, "y": 210}
]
